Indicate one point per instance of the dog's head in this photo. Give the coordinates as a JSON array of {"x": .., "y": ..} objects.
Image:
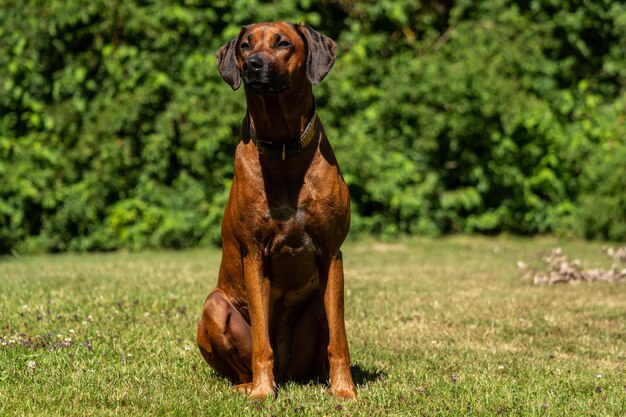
[{"x": 274, "y": 57}]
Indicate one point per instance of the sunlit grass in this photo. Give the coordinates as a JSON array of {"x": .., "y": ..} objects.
[{"x": 436, "y": 326}]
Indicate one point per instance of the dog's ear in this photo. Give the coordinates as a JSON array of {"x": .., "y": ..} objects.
[
  {"x": 227, "y": 61},
  {"x": 321, "y": 53}
]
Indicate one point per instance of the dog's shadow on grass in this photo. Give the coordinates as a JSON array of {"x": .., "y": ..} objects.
[{"x": 362, "y": 376}]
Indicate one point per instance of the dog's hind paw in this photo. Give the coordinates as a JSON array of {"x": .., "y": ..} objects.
[{"x": 243, "y": 388}]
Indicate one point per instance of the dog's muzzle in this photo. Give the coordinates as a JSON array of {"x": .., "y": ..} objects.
[{"x": 259, "y": 78}]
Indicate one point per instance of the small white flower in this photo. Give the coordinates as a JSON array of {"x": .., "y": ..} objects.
[
  {"x": 599, "y": 376},
  {"x": 31, "y": 365},
  {"x": 71, "y": 330}
]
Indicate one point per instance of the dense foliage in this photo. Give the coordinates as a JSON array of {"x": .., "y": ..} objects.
[{"x": 117, "y": 131}]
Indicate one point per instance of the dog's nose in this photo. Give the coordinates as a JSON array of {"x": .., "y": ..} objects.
[{"x": 253, "y": 63}]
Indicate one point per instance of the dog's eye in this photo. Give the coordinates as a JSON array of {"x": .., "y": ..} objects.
[
  {"x": 283, "y": 44},
  {"x": 244, "y": 46}
]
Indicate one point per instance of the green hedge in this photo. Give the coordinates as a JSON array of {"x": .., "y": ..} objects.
[{"x": 116, "y": 130}]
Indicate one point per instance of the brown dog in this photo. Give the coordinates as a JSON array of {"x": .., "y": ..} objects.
[{"x": 277, "y": 312}]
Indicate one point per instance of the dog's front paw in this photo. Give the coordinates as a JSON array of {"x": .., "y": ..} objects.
[
  {"x": 261, "y": 392},
  {"x": 347, "y": 391}
]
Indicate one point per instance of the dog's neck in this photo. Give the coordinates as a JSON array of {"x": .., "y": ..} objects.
[{"x": 290, "y": 114}]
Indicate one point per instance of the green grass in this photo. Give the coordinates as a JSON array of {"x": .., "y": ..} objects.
[{"x": 436, "y": 327}]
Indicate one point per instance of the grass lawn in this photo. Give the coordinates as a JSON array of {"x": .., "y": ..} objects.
[{"x": 436, "y": 327}]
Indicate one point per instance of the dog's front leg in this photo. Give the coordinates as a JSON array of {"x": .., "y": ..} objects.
[
  {"x": 341, "y": 384},
  {"x": 258, "y": 289}
]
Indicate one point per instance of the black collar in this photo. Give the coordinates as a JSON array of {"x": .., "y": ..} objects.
[{"x": 282, "y": 150}]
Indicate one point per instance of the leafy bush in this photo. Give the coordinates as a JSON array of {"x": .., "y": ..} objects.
[
  {"x": 117, "y": 131},
  {"x": 602, "y": 198}
]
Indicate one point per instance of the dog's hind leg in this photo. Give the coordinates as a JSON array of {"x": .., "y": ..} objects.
[{"x": 225, "y": 339}]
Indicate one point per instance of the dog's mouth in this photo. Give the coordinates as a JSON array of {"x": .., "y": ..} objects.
[{"x": 260, "y": 87}]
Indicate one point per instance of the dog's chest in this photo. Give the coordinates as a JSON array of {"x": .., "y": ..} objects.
[{"x": 291, "y": 250}]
